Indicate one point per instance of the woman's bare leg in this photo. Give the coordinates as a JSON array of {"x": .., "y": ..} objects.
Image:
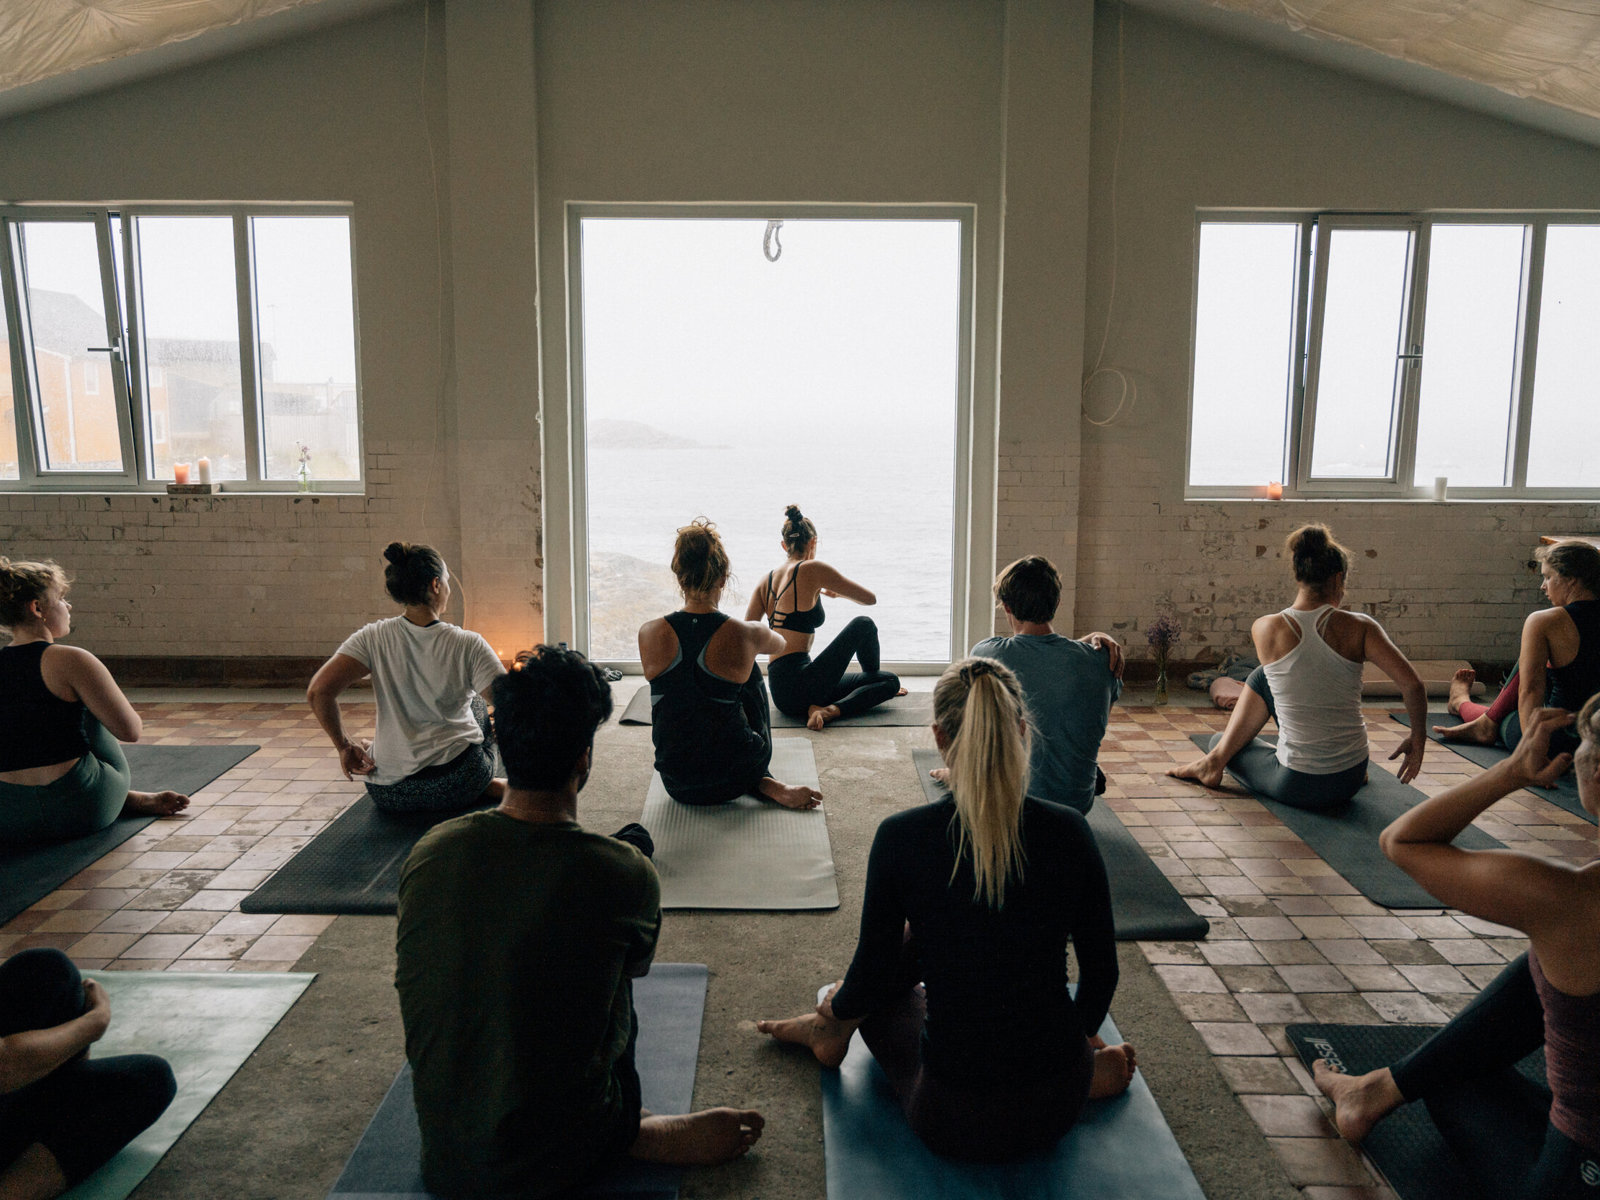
[{"x": 1249, "y": 717}]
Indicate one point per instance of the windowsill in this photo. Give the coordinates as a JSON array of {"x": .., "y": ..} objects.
[
  {"x": 1191, "y": 498},
  {"x": 232, "y": 493}
]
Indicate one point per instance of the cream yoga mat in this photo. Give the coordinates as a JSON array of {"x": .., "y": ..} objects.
[{"x": 750, "y": 854}]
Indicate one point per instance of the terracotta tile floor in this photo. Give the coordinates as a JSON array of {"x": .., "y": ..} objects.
[{"x": 1289, "y": 941}]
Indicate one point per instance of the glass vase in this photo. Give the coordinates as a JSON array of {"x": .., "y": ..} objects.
[{"x": 1161, "y": 679}]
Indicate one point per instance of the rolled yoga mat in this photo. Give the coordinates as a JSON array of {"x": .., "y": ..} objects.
[
  {"x": 638, "y": 710},
  {"x": 748, "y": 854},
  {"x": 1405, "y": 1146},
  {"x": 915, "y": 708},
  {"x": 30, "y": 873},
  {"x": 670, "y": 1002},
  {"x": 1120, "y": 1149},
  {"x": 1563, "y": 795},
  {"x": 205, "y": 1026},
  {"x": 1347, "y": 838},
  {"x": 1144, "y": 904}
]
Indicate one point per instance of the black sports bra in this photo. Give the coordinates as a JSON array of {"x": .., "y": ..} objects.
[{"x": 795, "y": 621}]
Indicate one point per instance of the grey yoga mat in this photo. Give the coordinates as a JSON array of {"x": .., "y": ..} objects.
[
  {"x": 748, "y": 854},
  {"x": 638, "y": 710},
  {"x": 29, "y": 873},
  {"x": 1347, "y": 839},
  {"x": 1120, "y": 1149},
  {"x": 670, "y": 1002},
  {"x": 1563, "y": 795},
  {"x": 913, "y": 709},
  {"x": 1405, "y": 1146},
  {"x": 1144, "y": 904}
]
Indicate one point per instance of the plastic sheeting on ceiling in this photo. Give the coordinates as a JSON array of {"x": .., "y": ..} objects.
[
  {"x": 1529, "y": 48},
  {"x": 40, "y": 39}
]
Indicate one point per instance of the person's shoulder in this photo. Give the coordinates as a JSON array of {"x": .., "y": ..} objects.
[
  {"x": 992, "y": 647},
  {"x": 913, "y": 822}
]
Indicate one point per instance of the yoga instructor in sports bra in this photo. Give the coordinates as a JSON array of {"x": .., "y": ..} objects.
[
  {"x": 818, "y": 689},
  {"x": 1309, "y": 682}
]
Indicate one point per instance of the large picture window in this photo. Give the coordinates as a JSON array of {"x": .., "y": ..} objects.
[
  {"x": 1369, "y": 356},
  {"x": 135, "y": 338}
]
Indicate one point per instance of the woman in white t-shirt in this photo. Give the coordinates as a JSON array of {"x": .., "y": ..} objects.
[{"x": 434, "y": 748}]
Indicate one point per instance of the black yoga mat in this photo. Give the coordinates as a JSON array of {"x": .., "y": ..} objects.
[
  {"x": 352, "y": 866},
  {"x": 1563, "y": 795},
  {"x": 30, "y": 873},
  {"x": 1405, "y": 1146},
  {"x": 1347, "y": 838},
  {"x": 670, "y": 1002},
  {"x": 1144, "y": 904}
]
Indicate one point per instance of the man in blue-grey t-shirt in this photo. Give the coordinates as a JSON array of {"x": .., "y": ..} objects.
[{"x": 1069, "y": 686}]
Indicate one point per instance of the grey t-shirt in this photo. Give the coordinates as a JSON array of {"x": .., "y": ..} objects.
[{"x": 1069, "y": 690}]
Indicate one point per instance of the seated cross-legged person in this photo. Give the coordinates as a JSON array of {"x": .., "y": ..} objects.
[
  {"x": 1069, "y": 686},
  {"x": 709, "y": 719},
  {"x": 520, "y": 934},
  {"x": 959, "y": 981},
  {"x": 1309, "y": 682},
  {"x": 62, "y": 772},
  {"x": 1519, "y": 1141},
  {"x": 62, "y": 1113},
  {"x": 434, "y": 749}
]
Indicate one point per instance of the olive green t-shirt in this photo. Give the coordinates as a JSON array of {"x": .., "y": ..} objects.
[{"x": 516, "y": 946}]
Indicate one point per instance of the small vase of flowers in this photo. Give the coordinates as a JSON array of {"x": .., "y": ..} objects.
[
  {"x": 1162, "y": 634},
  {"x": 305, "y": 466}
]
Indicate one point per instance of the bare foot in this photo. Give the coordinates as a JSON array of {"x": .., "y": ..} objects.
[
  {"x": 819, "y": 715},
  {"x": 942, "y": 774},
  {"x": 1113, "y": 1071},
  {"x": 1359, "y": 1101},
  {"x": 1461, "y": 688},
  {"x": 154, "y": 804},
  {"x": 1202, "y": 770},
  {"x": 828, "y": 1040},
  {"x": 697, "y": 1139},
  {"x": 902, "y": 692},
  {"x": 790, "y": 795},
  {"x": 1480, "y": 730}
]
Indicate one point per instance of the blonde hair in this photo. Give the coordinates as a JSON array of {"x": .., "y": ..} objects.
[
  {"x": 977, "y": 704},
  {"x": 21, "y": 583},
  {"x": 699, "y": 558},
  {"x": 1588, "y": 723}
]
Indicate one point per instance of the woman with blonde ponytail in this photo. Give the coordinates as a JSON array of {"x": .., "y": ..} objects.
[{"x": 959, "y": 981}]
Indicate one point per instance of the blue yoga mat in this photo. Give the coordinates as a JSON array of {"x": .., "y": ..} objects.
[
  {"x": 670, "y": 1002},
  {"x": 1120, "y": 1149},
  {"x": 1563, "y": 795}
]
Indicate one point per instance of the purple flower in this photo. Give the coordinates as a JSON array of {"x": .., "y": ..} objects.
[{"x": 1163, "y": 632}]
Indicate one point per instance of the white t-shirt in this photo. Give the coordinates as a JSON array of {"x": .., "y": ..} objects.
[{"x": 424, "y": 678}]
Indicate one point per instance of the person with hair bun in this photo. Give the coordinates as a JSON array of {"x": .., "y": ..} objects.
[
  {"x": 709, "y": 718},
  {"x": 62, "y": 772},
  {"x": 959, "y": 980},
  {"x": 1559, "y": 663},
  {"x": 820, "y": 689},
  {"x": 1309, "y": 682},
  {"x": 434, "y": 748}
]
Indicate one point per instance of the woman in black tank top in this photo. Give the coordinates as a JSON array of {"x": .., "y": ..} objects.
[
  {"x": 821, "y": 689},
  {"x": 708, "y": 703},
  {"x": 62, "y": 772}
]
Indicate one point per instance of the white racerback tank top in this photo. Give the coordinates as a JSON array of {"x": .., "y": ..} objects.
[{"x": 1317, "y": 694}]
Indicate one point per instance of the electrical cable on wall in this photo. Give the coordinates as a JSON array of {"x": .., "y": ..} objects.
[{"x": 1130, "y": 390}]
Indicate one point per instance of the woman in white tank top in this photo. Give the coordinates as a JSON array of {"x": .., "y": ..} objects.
[{"x": 1309, "y": 681}]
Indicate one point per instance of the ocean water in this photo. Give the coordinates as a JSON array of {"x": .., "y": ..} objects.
[{"x": 883, "y": 510}]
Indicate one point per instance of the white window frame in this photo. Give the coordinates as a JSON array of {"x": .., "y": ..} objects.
[
  {"x": 965, "y": 215},
  {"x": 125, "y": 338},
  {"x": 1316, "y": 229}
]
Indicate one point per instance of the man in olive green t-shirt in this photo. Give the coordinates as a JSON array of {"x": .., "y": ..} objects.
[{"x": 519, "y": 936}]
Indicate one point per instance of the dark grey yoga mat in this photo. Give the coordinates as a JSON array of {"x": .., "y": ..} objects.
[
  {"x": 1144, "y": 904},
  {"x": 30, "y": 873},
  {"x": 1563, "y": 795},
  {"x": 913, "y": 709},
  {"x": 1347, "y": 839},
  {"x": 1405, "y": 1146},
  {"x": 670, "y": 1002}
]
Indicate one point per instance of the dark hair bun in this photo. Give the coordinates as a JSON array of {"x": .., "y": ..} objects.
[
  {"x": 1309, "y": 541},
  {"x": 395, "y": 552},
  {"x": 794, "y": 514}
]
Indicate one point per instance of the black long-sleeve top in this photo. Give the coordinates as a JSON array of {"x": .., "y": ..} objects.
[{"x": 998, "y": 1009}]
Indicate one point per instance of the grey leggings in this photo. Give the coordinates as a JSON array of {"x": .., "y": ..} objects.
[
  {"x": 83, "y": 801},
  {"x": 453, "y": 786}
]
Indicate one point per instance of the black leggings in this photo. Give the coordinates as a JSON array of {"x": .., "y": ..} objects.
[
  {"x": 87, "y": 1109},
  {"x": 722, "y": 776},
  {"x": 799, "y": 681},
  {"x": 1492, "y": 1116}
]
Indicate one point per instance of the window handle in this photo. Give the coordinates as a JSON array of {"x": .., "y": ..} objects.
[{"x": 115, "y": 350}]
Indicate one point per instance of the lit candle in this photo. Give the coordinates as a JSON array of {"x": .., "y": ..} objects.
[
  {"x": 1274, "y": 490},
  {"x": 204, "y": 467},
  {"x": 180, "y": 473}
]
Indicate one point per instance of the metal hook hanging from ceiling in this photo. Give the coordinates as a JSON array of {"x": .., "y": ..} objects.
[{"x": 771, "y": 246}]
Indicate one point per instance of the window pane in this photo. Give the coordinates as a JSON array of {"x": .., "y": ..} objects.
[
  {"x": 8, "y": 410},
  {"x": 1363, "y": 318},
  {"x": 1564, "y": 446},
  {"x": 1243, "y": 352},
  {"x": 66, "y": 315},
  {"x": 193, "y": 404},
  {"x": 306, "y": 324},
  {"x": 1464, "y": 425}
]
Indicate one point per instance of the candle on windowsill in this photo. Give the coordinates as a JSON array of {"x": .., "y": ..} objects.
[
  {"x": 204, "y": 469},
  {"x": 180, "y": 473},
  {"x": 1274, "y": 490}
]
